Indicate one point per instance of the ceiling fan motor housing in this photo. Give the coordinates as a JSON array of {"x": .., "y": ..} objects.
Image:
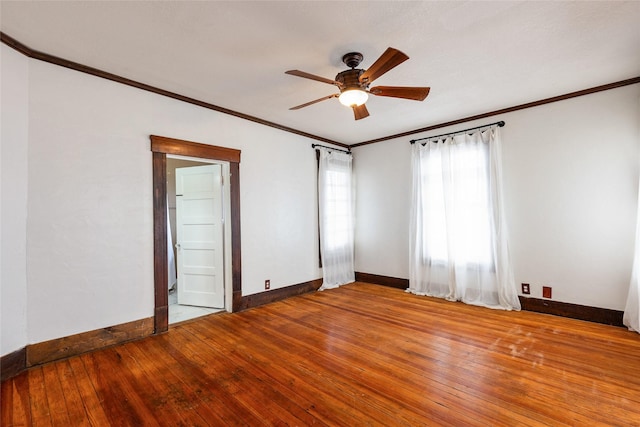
[{"x": 350, "y": 79}]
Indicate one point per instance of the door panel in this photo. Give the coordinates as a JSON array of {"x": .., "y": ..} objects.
[{"x": 199, "y": 232}]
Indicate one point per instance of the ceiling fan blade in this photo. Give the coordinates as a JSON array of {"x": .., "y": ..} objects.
[
  {"x": 312, "y": 77},
  {"x": 324, "y": 98},
  {"x": 391, "y": 58},
  {"x": 360, "y": 112},
  {"x": 415, "y": 93}
]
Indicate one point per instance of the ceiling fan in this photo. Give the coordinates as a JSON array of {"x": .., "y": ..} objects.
[{"x": 354, "y": 83}]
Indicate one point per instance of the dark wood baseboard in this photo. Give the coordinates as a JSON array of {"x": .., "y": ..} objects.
[
  {"x": 575, "y": 311},
  {"x": 13, "y": 363},
  {"x": 61, "y": 348},
  {"x": 376, "y": 279},
  {"x": 262, "y": 298},
  {"x": 556, "y": 308}
]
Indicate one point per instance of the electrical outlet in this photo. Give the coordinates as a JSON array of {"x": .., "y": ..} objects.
[
  {"x": 267, "y": 284},
  {"x": 525, "y": 289},
  {"x": 546, "y": 292}
]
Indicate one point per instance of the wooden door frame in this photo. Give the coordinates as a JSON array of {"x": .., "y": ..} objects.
[{"x": 161, "y": 146}]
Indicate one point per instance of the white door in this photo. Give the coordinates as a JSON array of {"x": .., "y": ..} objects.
[{"x": 199, "y": 232}]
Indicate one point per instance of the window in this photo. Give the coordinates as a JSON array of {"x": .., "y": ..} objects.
[
  {"x": 458, "y": 247},
  {"x": 456, "y": 204},
  {"x": 335, "y": 204}
]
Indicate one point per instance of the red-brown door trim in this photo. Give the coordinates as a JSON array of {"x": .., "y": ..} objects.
[{"x": 161, "y": 146}]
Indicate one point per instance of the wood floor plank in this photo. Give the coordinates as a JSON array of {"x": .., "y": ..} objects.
[
  {"x": 123, "y": 406},
  {"x": 260, "y": 369},
  {"x": 14, "y": 402},
  {"x": 210, "y": 382},
  {"x": 73, "y": 401},
  {"x": 357, "y": 355},
  {"x": 171, "y": 393},
  {"x": 153, "y": 390},
  {"x": 237, "y": 382},
  {"x": 206, "y": 399},
  {"x": 6, "y": 403},
  {"x": 95, "y": 413},
  {"x": 18, "y": 402},
  {"x": 57, "y": 407},
  {"x": 40, "y": 415}
]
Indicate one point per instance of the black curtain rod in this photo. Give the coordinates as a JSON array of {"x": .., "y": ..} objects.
[
  {"x": 330, "y": 148},
  {"x": 500, "y": 124}
]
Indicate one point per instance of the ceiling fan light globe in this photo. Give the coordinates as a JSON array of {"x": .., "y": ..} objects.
[{"x": 353, "y": 97}]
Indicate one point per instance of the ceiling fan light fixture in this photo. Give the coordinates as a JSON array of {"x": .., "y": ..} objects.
[
  {"x": 353, "y": 84},
  {"x": 353, "y": 97}
]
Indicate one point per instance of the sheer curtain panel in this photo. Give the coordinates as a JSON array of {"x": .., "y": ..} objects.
[
  {"x": 458, "y": 245},
  {"x": 631, "y": 317},
  {"x": 335, "y": 200}
]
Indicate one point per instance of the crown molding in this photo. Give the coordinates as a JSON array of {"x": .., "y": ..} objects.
[
  {"x": 31, "y": 53},
  {"x": 45, "y": 57},
  {"x": 538, "y": 103}
]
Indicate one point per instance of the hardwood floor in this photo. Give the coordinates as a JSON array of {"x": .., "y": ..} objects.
[{"x": 358, "y": 355}]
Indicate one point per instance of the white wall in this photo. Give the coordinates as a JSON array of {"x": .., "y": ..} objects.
[
  {"x": 14, "y": 96},
  {"x": 571, "y": 175},
  {"x": 89, "y": 240}
]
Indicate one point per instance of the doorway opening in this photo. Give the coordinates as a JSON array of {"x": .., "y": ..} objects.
[
  {"x": 229, "y": 159},
  {"x": 199, "y": 274}
]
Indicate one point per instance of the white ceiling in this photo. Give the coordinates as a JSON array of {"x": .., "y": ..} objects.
[{"x": 475, "y": 56}]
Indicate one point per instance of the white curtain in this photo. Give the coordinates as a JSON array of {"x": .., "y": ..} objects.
[
  {"x": 335, "y": 200},
  {"x": 458, "y": 244},
  {"x": 631, "y": 317}
]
